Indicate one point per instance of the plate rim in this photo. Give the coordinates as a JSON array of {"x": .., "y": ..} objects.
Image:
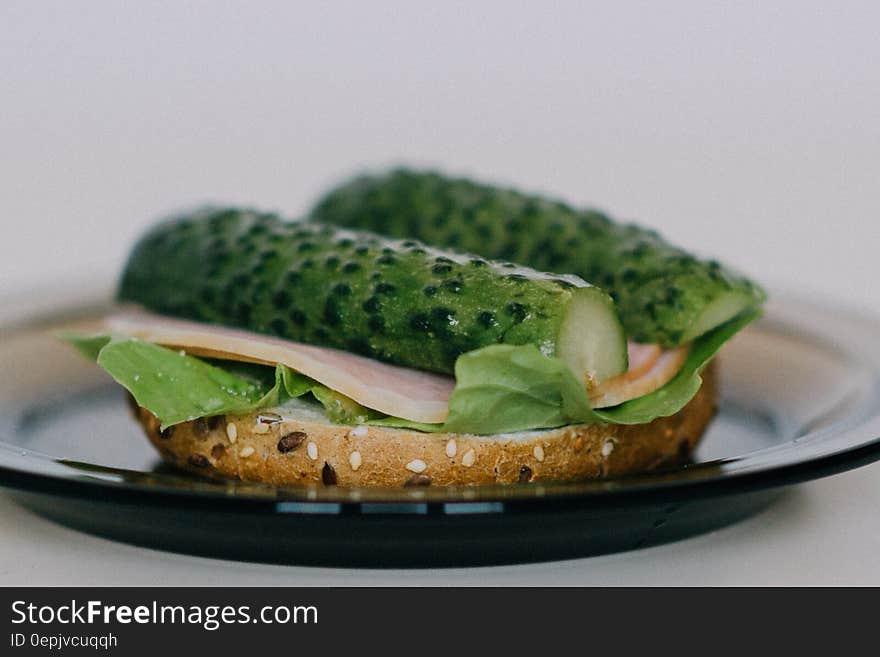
[{"x": 656, "y": 487}]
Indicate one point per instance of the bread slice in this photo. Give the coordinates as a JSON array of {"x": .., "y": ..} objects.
[{"x": 296, "y": 444}]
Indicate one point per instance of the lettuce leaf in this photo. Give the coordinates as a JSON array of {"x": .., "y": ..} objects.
[
  {"x": 400, "y": 423},
  {"x": 499, "y": 389},
  {"x": 341, "y": 409},
  {"x": 503, "y": 388},
  {"x": 177, "y": 387},
  {"x": 672, "y": 397}
]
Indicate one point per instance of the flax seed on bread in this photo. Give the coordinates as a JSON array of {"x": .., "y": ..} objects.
[{"x": 295, "y": 445}]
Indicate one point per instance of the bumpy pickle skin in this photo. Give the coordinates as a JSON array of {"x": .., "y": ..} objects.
[
  {"x": 664, "y": 294},
  {"x": 396, "y": 301}
]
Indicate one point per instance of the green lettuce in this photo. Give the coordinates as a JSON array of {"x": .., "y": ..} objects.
[
  {"x": 499, "y": 388},
  {"x": 177, "y": 387},
  {"x": 672, "y": 397},
  {"x": 504, "y": 388}
]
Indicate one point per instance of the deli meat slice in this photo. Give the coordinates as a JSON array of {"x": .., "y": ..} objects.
[
  {"x": 397, "y": 391},
  {"x": 650, "y": 368}
]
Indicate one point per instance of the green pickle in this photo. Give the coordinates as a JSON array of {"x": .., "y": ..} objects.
[
  {"x": 397, "y": 301},
  {"x": 664, "y": 294}
]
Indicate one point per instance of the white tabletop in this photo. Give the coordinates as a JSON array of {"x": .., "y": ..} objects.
[
  {"x": 824, "y": 532},
  {"x": 746, "y": 131}
]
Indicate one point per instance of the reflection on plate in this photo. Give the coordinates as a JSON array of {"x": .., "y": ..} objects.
[{"x": 799, "y": 401}]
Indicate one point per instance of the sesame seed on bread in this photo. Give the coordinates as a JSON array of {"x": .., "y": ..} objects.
[{"x": 298, "y": 445}]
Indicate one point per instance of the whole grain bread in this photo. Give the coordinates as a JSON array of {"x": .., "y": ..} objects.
[{"x": 279, "y": 447}]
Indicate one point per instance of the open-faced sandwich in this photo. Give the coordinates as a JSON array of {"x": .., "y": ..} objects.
[{"x": 314, "y": 351}]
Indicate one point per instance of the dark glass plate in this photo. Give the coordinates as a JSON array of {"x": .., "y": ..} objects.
[{"x": 799, "y": 401}]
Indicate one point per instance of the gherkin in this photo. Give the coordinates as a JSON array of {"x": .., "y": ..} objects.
[
  {"x": 397, "y": 301},
  {"x": 664, "y": 294}
]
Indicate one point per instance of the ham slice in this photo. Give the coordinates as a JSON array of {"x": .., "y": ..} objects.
[
  {"x": 650, "y": 368},
  {"x": 398, "y": 391}
]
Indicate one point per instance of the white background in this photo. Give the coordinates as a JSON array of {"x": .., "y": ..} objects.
[{"x": 748, "y": 130}]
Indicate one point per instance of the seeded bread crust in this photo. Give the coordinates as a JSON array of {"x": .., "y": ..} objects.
[{"x": 303, "y": 452}]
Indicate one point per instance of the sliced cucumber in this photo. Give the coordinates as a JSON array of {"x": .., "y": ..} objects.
[
  {"x": 719, "y": 311},
  {"x": 400, "y": 302},
  {"x": 663, "y": 294},
  {"x": 592, "y": 341}
]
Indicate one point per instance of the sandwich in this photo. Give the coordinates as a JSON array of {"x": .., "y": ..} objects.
[{"x": 417, "y": 331}]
